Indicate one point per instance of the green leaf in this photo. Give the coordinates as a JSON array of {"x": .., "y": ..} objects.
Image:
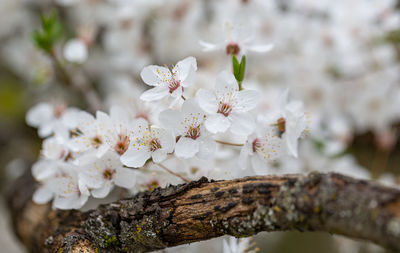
[
  {"x": 50, "y": 32},
  {"x": 236, "y": 66},
  {"x": 242, "y": 69}
]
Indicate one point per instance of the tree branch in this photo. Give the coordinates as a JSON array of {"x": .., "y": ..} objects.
[{"x": 205, "y": 209}]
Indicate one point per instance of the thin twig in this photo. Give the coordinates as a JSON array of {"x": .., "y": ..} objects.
[
  {"x": 230, "y": 144},
  {"x": 173, "y": 173}
]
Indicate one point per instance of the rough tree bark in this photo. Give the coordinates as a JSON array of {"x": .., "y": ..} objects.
[{"x": 205, "y": 209}]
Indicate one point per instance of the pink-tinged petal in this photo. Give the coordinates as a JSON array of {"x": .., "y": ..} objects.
[
  {"x": 186, "y": 148},
  {"x": 39, "y": 114},
  {"x": 261, "y": 48},
  {"x": 207, "y": 101},
  {"x": 246, "y": 100},
  {"x": 42, "y": 195},
  {"x": 155, "y": 75},
  {"x": 184, "y": 71},
  {"x": 207, "y": 148},
  {"x": 242, "y": 124},
  {"x": 103, "y": 191},
  {"x": 171, "y": 119},
  {"x": 159, "y": 155},
  {"x": 155, "y": 93},
  {"x": 125, "y": 177},
  {"x": 226, "y": 85},
  {"x": 135, "y": 157},
  {"x": 217, "y": 123}
]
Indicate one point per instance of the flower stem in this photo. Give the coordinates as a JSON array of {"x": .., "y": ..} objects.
[
  {"x": 228, "y": 143},
  {"x": 173, "y": 173},
  {"x": 240, "y": 85},
  {"x": 85, "y": 89}
]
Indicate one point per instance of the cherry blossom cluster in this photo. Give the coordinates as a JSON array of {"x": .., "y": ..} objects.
[
  {"x": 340, "y": 58},
  {"x": 85, "y": 155}
]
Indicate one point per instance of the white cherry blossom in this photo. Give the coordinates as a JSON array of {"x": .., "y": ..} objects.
[
  {"x": 60, "y": 181},
  {"x": 88, "y": 133},
  {"x": 100, "y": 175},
  {"x": 54, "y": 148},
  {"x": 168, "y": 82},
  {"x": 147, "y": 142},
  {"x": 261, "y": 148},
  {"x": 48, "y": 118},
  {"x": 228, "y": 108},
  {"x": 75, "y": 51},
  {"x": 117, "y": 131},
  {"x": 290, "y": 122},
  {"x": 237, "y": 41},
  {"x": 188, "y": 126}
]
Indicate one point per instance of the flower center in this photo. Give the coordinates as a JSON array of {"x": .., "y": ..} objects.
[
  {"x": 193, "y": 132},
  {"x": 96, "y": 141},
  {"x": 58, "y": 111},
  {"x": 173, "y": 85},
  {"x": 256, "y": 145},
  {"x": 225, "y": 109},
  {"x": 122, "y": 144},
  {"x": 232, "y": 48},
  {"x": 108, "y": 174},
  {"x": 154, "y": 144}
]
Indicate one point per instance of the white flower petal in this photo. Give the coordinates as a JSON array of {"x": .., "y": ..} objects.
[
  {"x": 246, "y": 100},
  {"x": 167, "y": 141},
  {"x": 44, "y": 169},
  {"x": 216, "y": 123},
  {"x": 207, "y": 148},
  {"x": 42, "y": 195},
  {"x": 171, "y": 119},
  {"x": 207, "y": 101},
  {"x": 186, "y": 148},
  {"x": 209, "y": 46},
  {"x": 39, "y": 114},
  {"x": 103, "y": 191},
  {"x": 135, "y": 157},
  {"x": 242, "y": 124},
  {"x": 75, "y": 50},
  {"x": 185, "y": 71},
  {"x": 155, "y": 93},
  {"x": 155, "y": 75},
  {"x": 226, "y": 84},
  {"x": 243, "y": 157},
  {"x": 159, "y": 155},
  {"x": 125, "y": 177},
  {"x": 191, "y": 109},
  {"x": 259, "y": 165},
  {"x": 119, "y": 114},
  {"x": 261, "y": 48}
]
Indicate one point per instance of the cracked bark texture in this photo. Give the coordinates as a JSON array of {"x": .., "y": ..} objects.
[{"x": 205, "y": 209}]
